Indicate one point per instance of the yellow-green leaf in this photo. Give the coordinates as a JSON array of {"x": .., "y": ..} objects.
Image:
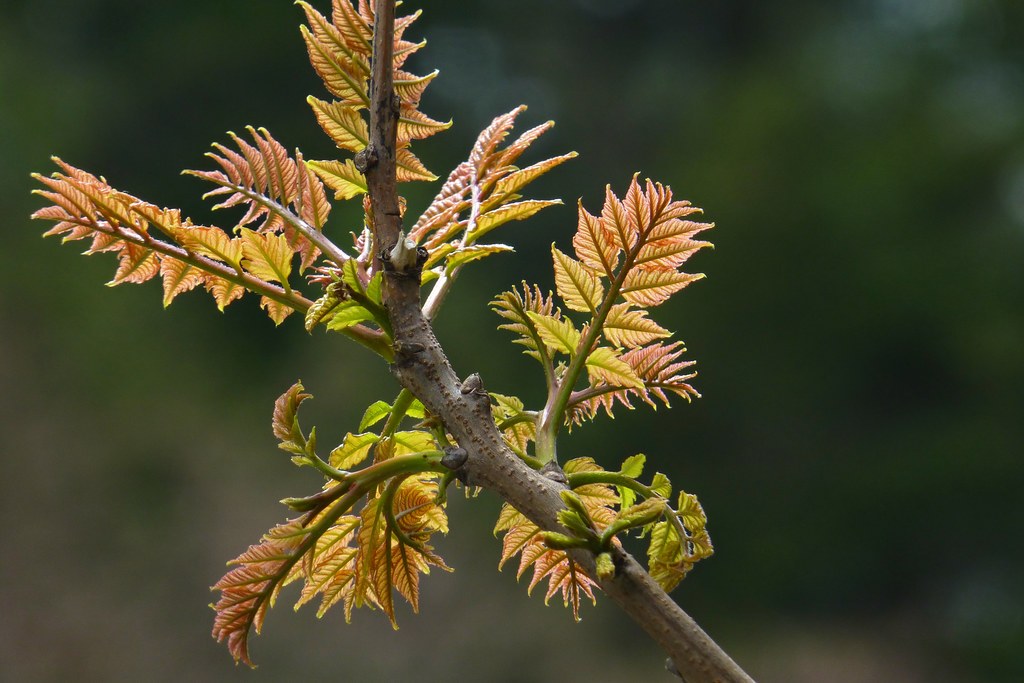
[
  {"x": 661, "y": 485},
  {"x": 580, "y": 289},
  {"x": 343, "y": 178},
  {"x": 473, "y": 252},
  {"x": 214, "y": 243},
  {"x": 652, "y": 287},
  {"x": 376, "y": 412},
  {"x": 629, "y": 327},
  {"x": 604, "y": 365},
  {"x": 342, "y": 122},
  {"x": 267, "y": 256},
  {"x": 353, "y": 450},
  {"x": 515, "y": 211},
  {"x": 558, "y": 334},
  {"x": 518, "y": 179}
]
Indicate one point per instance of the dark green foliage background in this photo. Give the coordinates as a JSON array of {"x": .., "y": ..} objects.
[{"x": 860, "y": 337}]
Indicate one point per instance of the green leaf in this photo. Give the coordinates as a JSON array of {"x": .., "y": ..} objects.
[
  {"x": 604, "y": 365},
  {"x": 353, "y": 450},
  {"x": 557, "y": 541},
  {"x": 643, "y": 513},
  {"x": 558, "y": 334},
  {"x": 414, "y": 441},
  {"x": 572, "y": 521},
  {"x": 374, "y": 414},
  {"x": 347, "y": 314},
  {"x": 690, "y": 511},
  {"x": 374, "y": 288},
  {"x": 321, "y": 309},
  {"x": 661, "y": 485},
  {"x": 579, "y": 288},
  {"x": 352, "y": 276},
  {"x": 633, "y": 467},
  {"x": 605, "y": 566},
  {"x": 416, "y": 410}
]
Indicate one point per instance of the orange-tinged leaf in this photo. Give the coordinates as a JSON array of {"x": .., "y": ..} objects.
[
  {"x": 282, "y": 174},
  {"x": 137, "y": 264},
  {"x": 410, "y": 88},
  {"x": 342, "y": 71},
  {"x": 661, "y": 368},
  {"x": 409, "y": 168},
  {"x": 580, "y": 289},
  {"x": 416, "y": 507},
  {"x": 248, "y": 589},
  {"x": 275, "y": 309},
  {"x": 595, "y": 244},
  {"x": 178, "y": 277},
  {"x": 223, "y": 291},
  {"x": 654, "y": 287},
  {"x": 523, "y": 537},
  {"x": 515, "y": 540},
  {"x": 671, "y": 252},
  {"x": 285, "y": 423},
  {"x": 259, "y": 176},
  {"x": 616, "y": 222},
  {"x": 314, "y": 207},
  {"x": 415, "y": 125}
]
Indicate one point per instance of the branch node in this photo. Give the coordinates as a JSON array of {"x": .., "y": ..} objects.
[
  {"x": 406, "y": 352},
  {"x": 454, "y": 457},
  {"x": 366, "y": 159},
  {"x": 474, "y": 385},
  {"x": 553, "y": 471},
  {"x": 404, "y": 259}
]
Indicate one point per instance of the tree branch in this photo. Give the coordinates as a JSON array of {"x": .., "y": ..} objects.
[{"x": 422, "y": 368}]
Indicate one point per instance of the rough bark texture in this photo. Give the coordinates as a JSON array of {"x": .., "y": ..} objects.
[{"x": 421, "y": 367}]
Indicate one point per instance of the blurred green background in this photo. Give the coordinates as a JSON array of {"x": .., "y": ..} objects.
[{"x": 859, "y": 337}]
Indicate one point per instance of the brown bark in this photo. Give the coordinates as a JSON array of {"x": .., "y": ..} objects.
[{"x": 421, "y": 367}]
